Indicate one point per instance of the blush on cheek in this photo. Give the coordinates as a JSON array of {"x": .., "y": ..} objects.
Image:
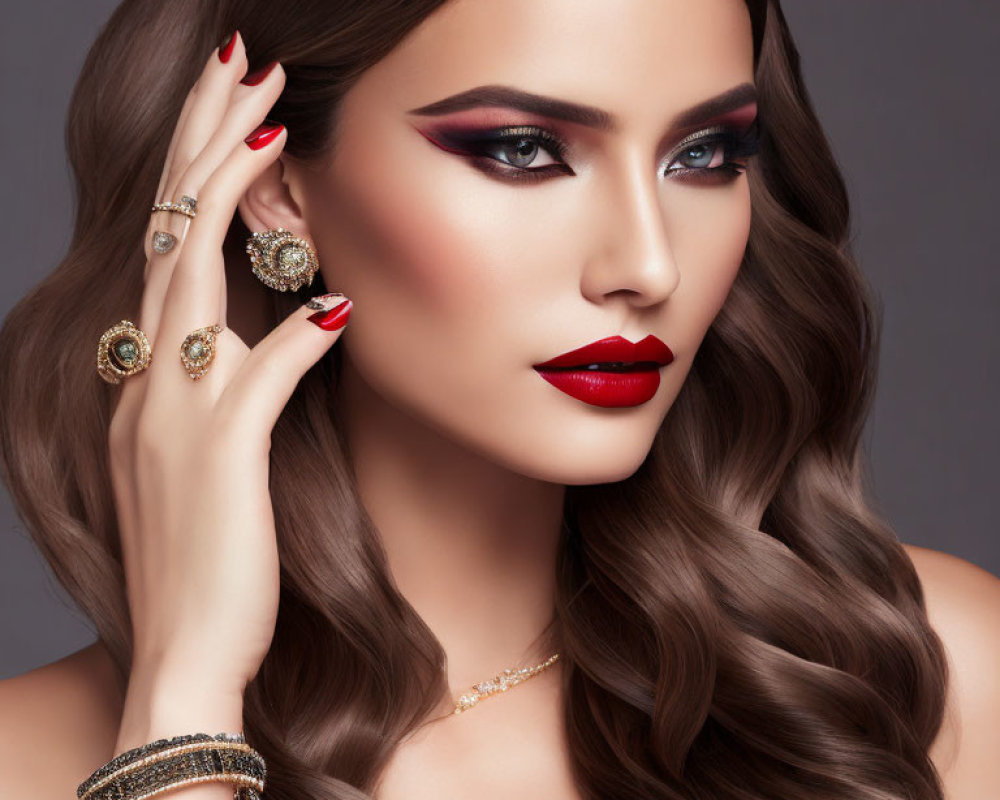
[{"x": 405, "y": 234}]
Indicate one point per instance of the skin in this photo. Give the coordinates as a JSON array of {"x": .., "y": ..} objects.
[
  {"x": 462, "y": 451},
  {"x": 461, "y": 282},
  {"x": 462, "y": 461}
]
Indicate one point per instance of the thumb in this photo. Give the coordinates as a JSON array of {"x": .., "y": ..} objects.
[{"x": 265, "y": 381}]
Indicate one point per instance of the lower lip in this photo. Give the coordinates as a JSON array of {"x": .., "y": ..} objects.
[{"x": 605, "y": 389}]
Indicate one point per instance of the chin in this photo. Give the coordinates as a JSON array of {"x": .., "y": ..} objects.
[
  {"x": 581, "y": 457},
  {"x": 562, "y": 441}
]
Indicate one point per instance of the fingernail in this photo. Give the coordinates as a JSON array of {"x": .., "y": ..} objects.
[
  {"x": 324, "y": 302},
  {"x": 253, "y": 78},
  {"x": 263, "y": 135},
  {"x": 227, "y": 46},
  {"x": 335, "y": 318}
]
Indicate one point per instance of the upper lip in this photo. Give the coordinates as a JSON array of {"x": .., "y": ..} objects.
[{"x": 614, "y": 348}]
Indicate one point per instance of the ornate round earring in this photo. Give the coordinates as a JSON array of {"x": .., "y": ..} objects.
[{"x": 282, "y": 260}]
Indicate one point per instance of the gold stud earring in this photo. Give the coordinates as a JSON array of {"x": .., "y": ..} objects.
[{"x": 282, "y": 260}]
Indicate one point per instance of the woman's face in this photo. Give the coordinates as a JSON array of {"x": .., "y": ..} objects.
[{"x": 471, "y": 258}]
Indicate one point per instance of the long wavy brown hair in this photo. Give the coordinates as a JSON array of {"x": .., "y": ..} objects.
[{"x": 735, "y": 619}]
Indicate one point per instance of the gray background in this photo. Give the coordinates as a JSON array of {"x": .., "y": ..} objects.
[{"x": 908, "y": 94}]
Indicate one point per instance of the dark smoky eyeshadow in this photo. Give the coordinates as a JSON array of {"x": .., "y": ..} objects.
[
  {"x": 477, "y": 139},
  {"x": 476, "y": 145}
]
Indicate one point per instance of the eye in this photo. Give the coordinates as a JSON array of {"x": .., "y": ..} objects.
[
  {"x": 713, "y": 154},
  {"x": 519, "y": 147},
  {"x": 704, "y": 154},
  {"x": 510, "y": 152}
]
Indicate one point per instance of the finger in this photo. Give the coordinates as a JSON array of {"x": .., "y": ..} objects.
[
  {"x": 249, "y": 104},
  {"x": 172, "y": 148},
  {"x": 164, "y": 234},
  {"x": 210, "y": 101},
  {"x": 254, "y": 398},
  {"x": 196, "y": 294},
  {"x": 193, "y": 115},
  {"x": 204, "y": 107},
  {"x": 234, "y": 50},
  {"x": 161, "y": 222},
  {"x": 160, "y": 267}
]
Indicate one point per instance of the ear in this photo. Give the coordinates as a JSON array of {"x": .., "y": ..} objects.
[{"x": 270, "y": 202}]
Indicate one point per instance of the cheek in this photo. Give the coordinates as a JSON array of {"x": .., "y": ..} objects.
[
  {"x": 709, "y": 230},
  {"x": 391, "y": 237},
  {"x": 424, "y": 249}
]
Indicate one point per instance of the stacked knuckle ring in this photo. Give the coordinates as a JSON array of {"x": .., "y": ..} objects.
[
  {"x": 187, "y": 206},
  {"x": 164, "y": 241}
]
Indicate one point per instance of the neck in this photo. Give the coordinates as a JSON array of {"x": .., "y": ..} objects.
[{"x": 471, "y": 545}]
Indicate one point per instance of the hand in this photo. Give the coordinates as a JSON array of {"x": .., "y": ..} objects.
[{"x": 190, "y": 458}]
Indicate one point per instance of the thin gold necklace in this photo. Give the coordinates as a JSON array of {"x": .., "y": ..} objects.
[{"x": 501, "y": 683}]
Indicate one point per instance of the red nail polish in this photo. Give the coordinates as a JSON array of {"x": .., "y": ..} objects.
[
  {"x": 227, "y": 47},
  {"x": 334, "y": 319},
  {"x": 263, "y": 135},
  {"x": 253, "y": 78}
]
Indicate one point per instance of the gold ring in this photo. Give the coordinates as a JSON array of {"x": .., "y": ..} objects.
[
  {"x": 198, "y": 350},
  {"x": 122, "y": 351},
  {"x": 187, "y": 206}
]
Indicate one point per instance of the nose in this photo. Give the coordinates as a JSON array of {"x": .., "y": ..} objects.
[{"x": 631, "y": 254}]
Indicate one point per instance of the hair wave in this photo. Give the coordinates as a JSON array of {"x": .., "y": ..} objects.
[{"x": 735, "y": 619}]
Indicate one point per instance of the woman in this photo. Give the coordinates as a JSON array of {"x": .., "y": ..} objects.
[{"x": 675, "y": 544}]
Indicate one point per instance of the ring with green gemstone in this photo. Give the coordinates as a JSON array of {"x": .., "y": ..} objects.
[
  {"x": 198, "y": 350},
  {"x": 122, "y": 351}
]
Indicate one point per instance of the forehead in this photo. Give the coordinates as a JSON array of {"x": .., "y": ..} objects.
[{"x": 631, "y": 57}]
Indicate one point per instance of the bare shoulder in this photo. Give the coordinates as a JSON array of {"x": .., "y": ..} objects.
[
  {"x": 963, "y": 606},
  {"x": 58, "y": 723}
]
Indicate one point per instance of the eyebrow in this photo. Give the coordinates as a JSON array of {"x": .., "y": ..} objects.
[{"x": 590, "y": 116}]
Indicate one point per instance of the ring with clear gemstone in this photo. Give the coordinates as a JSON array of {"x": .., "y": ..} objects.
[
  {"x": 163, "y": 241},
  {"x": 198, "y": 350}
]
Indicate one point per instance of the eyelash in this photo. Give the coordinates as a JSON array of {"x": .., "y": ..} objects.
[
  {"x": 478, "y": 145},
  {"x": 735, "y": 146}
]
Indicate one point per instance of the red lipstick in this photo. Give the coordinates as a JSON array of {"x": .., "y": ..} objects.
[{"x": 611, "y": 373}]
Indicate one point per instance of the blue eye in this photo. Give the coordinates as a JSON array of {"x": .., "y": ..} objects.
[
  {"x": 712, "y": 154},
  {"x": 508, "y": 152}
]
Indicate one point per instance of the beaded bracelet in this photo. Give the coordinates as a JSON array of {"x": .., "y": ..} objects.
[{"x": 153, "y": 768}]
